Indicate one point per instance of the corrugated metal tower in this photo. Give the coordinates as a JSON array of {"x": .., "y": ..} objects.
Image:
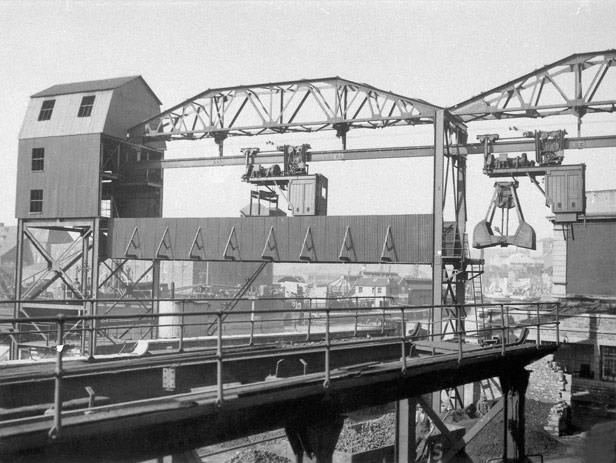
[{"x": 73, "y": 174}]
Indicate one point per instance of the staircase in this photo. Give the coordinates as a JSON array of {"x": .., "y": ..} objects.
[{"x": 229, "y": 306}]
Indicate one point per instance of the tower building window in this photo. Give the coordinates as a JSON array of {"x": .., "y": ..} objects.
[
  {"x": 85, "y": 110},
  {"x": 38, "y": 159},
  {"x": 36, "y": 200},
  {"x": 46, "y": 110}
]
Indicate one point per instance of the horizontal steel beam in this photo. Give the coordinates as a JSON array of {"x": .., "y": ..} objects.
[
  {"x": 160, "y": 426},
  {"x": 517, "y": 145}
]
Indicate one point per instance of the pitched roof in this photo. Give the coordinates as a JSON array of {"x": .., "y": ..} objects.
[
  {"x": 372, "y": 282},
  {"x": 90, "y": 86}
]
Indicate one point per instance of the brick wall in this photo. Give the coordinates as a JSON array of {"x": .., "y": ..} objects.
[{"x": 547, "y": 382}]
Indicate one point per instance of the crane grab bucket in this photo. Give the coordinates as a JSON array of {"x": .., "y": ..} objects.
[{"x": 505, "y": 198}]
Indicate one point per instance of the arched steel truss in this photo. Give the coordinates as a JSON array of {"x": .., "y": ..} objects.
[
  {"x": 285, "y": 107},
  {"x": 572, "y": 85}
]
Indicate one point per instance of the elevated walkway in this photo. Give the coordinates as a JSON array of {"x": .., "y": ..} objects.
[
  {"x": 182, "y": 422},
  {"x": 169, "y": 401}
]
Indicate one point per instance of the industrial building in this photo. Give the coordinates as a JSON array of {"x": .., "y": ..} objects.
[{"x": 227, "y": 356}]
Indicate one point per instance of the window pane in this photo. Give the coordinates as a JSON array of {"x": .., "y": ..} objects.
[
  {"x": 85, "y": 110},
  {"x": 36, "y": 200},
  {"x": 608, "y": 363},
  {"x": 38, "y": 159},
  {"x": 46, "y": 110}
]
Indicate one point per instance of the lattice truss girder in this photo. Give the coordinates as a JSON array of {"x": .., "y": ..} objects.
[
  {"x": 298, "y": 106},
  {"x": 579, "y": 84}
]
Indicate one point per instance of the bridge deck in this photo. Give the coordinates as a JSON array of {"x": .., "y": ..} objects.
[{"x": 165, "y": 425}]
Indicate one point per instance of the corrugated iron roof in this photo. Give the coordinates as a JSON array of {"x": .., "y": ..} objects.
[{"x": 90, "y": 86}]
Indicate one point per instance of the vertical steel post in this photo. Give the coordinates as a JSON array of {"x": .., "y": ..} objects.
[
  {"x": 252, "y": 323},
  {"x": 327, "y": 347},
  {"x": 514, "y": 385},
  {"x": 459, "y": 332},
  {"x": 502, "y": 307},
  {"x": 18, "y": 286},
  {"x": 92, "y": 334},
  {"x": 219, "y": 383},
  {"x": 95, "y": 262},
  {"x": 437, "y": 217},
  {"x": 155, "y": 295},
  {"x": 538, "y": 340},
  {"x": 309, "y": 319},
  {"x": 437, "y": 232},
  {"x": 181, "y": 342},
  {"x": 404, "y": 449},
  {"x": 507, "y": 323},
  {"x": 56, "y": 431},
  {"x": 403, "y": 342},
  {"x": 557, "y": 327}
]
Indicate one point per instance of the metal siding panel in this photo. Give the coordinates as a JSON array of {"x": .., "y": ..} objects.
[
  {"x": 295, "y": 238},
  {"x": 591, "y": 260},
  {"x": 329, "y": 236},
  {"x": 64, "y": 120},
  {"x": 190, "y": 227},
  {"x": 403, "y": 243},
  {"x": 243, "y": 228},
  {"x": 259, "y": 234},
  {"x": 173, "y": 239},
  {"x": 224, "y": 232},
  {"x": 211, "y": 234},
  {"x": 282, "y": 236},
  {"x": 71, "y": 163},
  {"x": 130, "y": 104},
  {"x": 151, "y": 232},
  {"x": 367, "y": 232},
  {"x": 358, "y": 234}
]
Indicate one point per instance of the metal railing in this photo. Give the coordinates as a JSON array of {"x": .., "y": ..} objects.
[{"x": 391, "y": 324}]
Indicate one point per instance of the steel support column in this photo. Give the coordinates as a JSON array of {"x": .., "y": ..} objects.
[
  {"x": 93, "y": 285},
  {"x": 317, "y": 440},
  {"x": 437, "y": 220},
  {"x": 514, "y": 385},
  {"x": 18, "y": 279},
  {"x": 405, "y": 446},
  {"x": 437, "y": 232}
]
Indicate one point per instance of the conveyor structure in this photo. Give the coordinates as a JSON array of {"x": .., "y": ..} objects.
[{"x": 89, "y": 220}]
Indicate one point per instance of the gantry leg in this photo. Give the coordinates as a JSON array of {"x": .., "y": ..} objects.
[
  {"x": 514, "y": 386},
  {"x": 317, "y": 440},
  {"x": 405, "y": 447}
]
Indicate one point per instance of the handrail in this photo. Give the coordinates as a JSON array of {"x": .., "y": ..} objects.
[{"x": 331, "y": 313}]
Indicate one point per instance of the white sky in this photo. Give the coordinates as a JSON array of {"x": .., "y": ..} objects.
[{"x": 441, "y": 51}]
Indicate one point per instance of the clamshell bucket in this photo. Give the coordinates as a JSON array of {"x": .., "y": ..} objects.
[{"x": 505, "y": 198}]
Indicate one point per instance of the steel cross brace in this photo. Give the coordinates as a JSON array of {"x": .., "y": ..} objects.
[{"x": 57, "y": 265}]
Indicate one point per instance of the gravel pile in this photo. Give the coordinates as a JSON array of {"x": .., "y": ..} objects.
[
  {"x": 489, "y": 442},
  {"x": 370, "y": 435}
]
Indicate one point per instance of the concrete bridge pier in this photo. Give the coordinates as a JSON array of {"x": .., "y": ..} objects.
[
  {"x": 316, "y": 439},
  {"x": 514, "y": 384}
]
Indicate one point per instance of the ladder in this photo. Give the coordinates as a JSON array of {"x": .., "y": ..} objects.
[{"x": 229, "y": 306}]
